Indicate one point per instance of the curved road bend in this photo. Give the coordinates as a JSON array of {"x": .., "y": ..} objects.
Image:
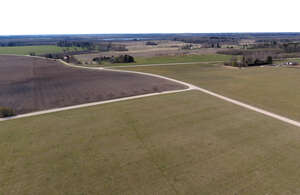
[{"x": 190, "y": 87}]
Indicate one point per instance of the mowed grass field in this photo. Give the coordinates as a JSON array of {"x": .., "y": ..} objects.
[
  {"x": 185, "y": 143},
  {"x": 275, "y": 89},
  {"x": 38, "y": 50}
]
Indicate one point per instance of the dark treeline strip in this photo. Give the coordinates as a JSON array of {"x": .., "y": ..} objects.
[
  {"x": 249, "y": 61},
  {"x": 90, "y": 46},
  {"x": 115, "y": 59}
]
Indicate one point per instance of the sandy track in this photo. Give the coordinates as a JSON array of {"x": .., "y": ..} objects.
[
  {"x": 90, "y": 104},
  {"x": 247, "y": 106}
]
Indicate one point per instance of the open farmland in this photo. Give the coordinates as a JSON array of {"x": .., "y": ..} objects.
[
  {"x": 140, "y": 49},
  {"x": 38, "y": 50},
  {"x": 185, "y": 143},
  {"x": 275, "y": 89},
  {"x": 159, "y": 59},
  {"x": 30, "y": 84},
  {"x": 164, "y": 52}
]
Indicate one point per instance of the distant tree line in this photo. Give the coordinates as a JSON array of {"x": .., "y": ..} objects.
[
  {"x": 211, "y": 45},
  {"x": 187, "y": 47},
  {"x": 290, "y": 47},
  {"x": 103, "y": 47},
  {"x": 115, "y": 59},
  {"x": 151, "y": 43},
  {"x": 247, "y": 52},
  {"x": 285, "y": 47},
  {"x": 264, "y": 44},
  {"x": 20, "y": 43},
  {"x": 61, "y": 56},
  {"x": 82, "y": 44},
  {"x": 54, "y": 55},
  {"x": 10, "y": 44},
  {"x": 209, "y": 42},
  {"x": 249, "y": 61}
]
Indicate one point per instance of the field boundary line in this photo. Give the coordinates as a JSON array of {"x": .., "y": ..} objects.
[{"x": 190, "y": 86}]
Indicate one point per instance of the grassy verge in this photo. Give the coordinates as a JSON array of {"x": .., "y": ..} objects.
[
  {"x": 38, "y": 50},
  {"x": 275, "y": 89},
  {"x": 186, "y": 143}
]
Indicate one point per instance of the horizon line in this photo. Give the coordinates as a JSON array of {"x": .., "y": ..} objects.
[{"x": 155, "y": 33}]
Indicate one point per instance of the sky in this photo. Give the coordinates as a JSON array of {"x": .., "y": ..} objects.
[{"x": 19, "y": 17}]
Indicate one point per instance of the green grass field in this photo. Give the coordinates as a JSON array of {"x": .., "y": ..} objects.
[
  {"x": 185, "y": 143},
  {"x": 171, "y": 59},
  {"x": 275, "y": 89},
  {"x": 39, "y": 50}
]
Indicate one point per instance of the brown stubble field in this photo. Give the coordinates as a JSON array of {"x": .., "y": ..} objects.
[{"x": 31, "y": 84}]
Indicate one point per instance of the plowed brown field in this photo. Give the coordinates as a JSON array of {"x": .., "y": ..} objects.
[{"x": 30, "y": 84}]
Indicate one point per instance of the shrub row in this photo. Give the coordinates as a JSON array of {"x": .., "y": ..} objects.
[
  {"x": 115, "y": 59},
  {"x": 6, "y": 112}
]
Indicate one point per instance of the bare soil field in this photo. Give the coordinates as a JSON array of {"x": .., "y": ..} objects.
[{"x": 31, "y": 84}]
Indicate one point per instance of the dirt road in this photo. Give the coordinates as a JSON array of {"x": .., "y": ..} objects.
[{"x": 189, "y": 87}]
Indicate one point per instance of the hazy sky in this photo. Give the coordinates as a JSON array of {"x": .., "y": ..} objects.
[{"x": 147, "y": 16}]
